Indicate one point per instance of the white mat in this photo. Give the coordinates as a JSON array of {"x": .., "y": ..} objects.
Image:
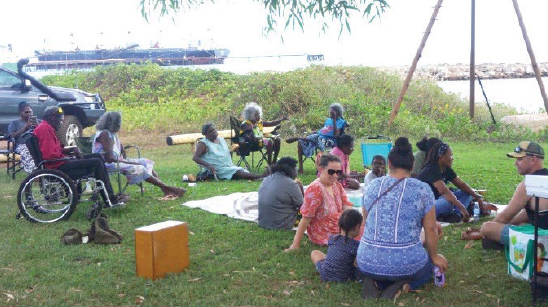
[
  {"x": 242, "y": 206},
  {"x": 245, "y": 206}
]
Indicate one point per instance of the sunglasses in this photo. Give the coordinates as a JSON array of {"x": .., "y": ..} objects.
[
  {"x": 519, "y": 149},
  {"x": 331, "y": 172}
]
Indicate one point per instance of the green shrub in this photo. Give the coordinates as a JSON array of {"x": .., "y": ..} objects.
[{"x": 181, "y": 100}]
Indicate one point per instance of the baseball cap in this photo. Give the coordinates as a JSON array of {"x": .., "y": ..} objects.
[{"x": 526, "y": 148}]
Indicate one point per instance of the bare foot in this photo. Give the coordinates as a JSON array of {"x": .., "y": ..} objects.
[{"x": 176, "y": 192}]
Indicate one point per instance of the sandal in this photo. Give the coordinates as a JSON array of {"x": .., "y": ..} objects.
[
  {"x": 471, "y": 234},
  {"x": 390, "y": 291},
  {"x": 369, "y": 289}
]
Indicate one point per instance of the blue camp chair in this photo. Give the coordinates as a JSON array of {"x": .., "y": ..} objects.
[{"x": 369, "y": 150}]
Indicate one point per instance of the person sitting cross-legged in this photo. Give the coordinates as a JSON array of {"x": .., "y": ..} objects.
[
  {"x": 51, "y": 149},
  {"x": 212, "y": 153},
  {"x": 529, "y": 161},
  {"x": 107, "y": 143}
]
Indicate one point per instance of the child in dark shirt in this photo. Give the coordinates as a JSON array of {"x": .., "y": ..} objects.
[{"x": 339, "y": 263}]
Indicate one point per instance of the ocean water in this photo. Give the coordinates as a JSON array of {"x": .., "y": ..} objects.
[{"x": 523, "y": 94}]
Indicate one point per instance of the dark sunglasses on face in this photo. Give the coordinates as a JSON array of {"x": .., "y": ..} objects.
[{"x": 331, "y": 172}]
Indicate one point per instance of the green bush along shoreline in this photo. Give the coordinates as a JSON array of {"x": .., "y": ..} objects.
[{"x": 174, "y": 101}]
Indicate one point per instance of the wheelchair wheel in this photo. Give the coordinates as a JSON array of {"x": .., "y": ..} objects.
[{"x": 47, "y": 196}]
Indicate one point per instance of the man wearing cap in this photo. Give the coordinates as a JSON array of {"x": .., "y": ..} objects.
[
  {"x": 51, "y": 149},
  {"x": 529, "y": 161}
]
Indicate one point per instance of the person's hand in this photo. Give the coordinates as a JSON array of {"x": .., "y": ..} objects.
[
  {"x": 465, "y": 215},
  {"x": 292, "y": 248},
  {"x": 440, "y": 262},
  {"x": 78, "y": 153},
  {"x": 481, "y": 204},
  {"x": 439, "y": 230},
  {"x": 382, "y": 172}
]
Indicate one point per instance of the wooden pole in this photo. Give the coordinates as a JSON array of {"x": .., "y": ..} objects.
[
  {"x": 396, "y": 107},
  {"x": 531, "y": 55},
  {"x": 472, "y": 58}
]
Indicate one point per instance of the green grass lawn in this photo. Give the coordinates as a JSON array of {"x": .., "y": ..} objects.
[{"x": 233, "y": 263}]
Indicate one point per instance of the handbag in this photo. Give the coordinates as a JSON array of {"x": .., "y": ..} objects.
[{"x": 520, "y": 251}]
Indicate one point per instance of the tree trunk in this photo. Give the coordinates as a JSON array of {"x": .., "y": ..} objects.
[
  {"x": 531, "y": 55},
  {"x": 396, "y": 107}
]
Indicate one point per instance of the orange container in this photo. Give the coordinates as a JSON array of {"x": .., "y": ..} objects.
[{"x": 161, "y": 248}]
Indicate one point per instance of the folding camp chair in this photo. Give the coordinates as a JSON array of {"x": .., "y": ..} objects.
[
  {"x": 13, "y": 162},
  {"x": 378, "y": 147},
  {"x": 245, "y": 148},
  {"x": 85, "y": 146}
]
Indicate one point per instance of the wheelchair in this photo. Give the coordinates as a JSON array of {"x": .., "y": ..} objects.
[{"x": 49, "y": 195}]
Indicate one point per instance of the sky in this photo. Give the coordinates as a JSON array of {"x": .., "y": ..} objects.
[{"x": 237, "y": 25}]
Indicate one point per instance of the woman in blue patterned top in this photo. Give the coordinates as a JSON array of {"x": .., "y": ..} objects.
[{"x": 396, "y": 207}]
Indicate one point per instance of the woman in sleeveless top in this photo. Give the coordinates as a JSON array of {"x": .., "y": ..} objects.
[
  {"x": 212, "y": 153},
  {"x": 106, "y": 142}
]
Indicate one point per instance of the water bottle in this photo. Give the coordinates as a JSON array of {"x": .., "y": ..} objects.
[
  {"x": 476, "y": 211},
  {"x": 439, "y": 277}
]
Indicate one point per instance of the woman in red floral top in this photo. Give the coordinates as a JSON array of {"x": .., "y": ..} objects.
[{"x": 324, "y": 202}]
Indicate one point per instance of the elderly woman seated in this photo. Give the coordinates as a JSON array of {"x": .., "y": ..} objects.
[
  {"x": 213, "y": 154},
  {"x": 280, "y": 196},
  {"x": 252, "y": 131},
  {"x": 107, "y": 143},
  {"x": 323, "y": 138}
]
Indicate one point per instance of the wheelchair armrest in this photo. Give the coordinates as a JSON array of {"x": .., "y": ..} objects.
[{"x": 136, "y": 148}]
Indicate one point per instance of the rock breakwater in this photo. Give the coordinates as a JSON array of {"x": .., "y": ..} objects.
[{"x": 454, "y": 72}]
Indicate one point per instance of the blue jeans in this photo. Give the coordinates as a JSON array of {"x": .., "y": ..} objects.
[
  {"x": 444, "y": 207},
  {"x": 417, "y": 280}
]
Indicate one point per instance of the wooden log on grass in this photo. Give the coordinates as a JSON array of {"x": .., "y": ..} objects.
[{"x": 191, "y": 138}]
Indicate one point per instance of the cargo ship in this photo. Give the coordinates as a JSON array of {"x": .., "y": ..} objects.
[{"x": 81, "y": 59}]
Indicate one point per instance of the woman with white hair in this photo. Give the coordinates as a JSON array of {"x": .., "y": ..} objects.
[
  {"x": 107, "y": 143},
  {"x": 252, "y": 130},
  {"x": 323, "y": 138}
]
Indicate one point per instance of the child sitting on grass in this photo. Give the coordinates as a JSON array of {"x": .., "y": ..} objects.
[{"x": 339, "y": 263}]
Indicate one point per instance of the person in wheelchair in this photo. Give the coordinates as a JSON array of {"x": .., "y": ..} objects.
[
  {"x": 107, "y": 143},
  {"x": 51, "y": 149},
  {"x": 252, "y": 131},
  {"x": 323, "y": 138}
]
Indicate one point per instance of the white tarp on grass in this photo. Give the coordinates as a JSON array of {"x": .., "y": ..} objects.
[{"x": 245, "y": 206}]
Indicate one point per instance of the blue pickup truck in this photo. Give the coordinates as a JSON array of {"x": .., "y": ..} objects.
[{"x": 81, "y": 109}]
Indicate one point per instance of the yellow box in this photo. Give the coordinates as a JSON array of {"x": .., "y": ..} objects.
[{"x": 161, "y": 248}]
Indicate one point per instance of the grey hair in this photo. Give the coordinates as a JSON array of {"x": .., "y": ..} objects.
[
  {"x": 338, "y": 109},
  {"x": 111, "y": 121},
  {"x": 206, "y": 127},
  {"x": 250, "y": 109}
]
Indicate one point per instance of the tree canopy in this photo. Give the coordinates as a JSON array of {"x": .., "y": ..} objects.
[{"x": 291, "y": 12}]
